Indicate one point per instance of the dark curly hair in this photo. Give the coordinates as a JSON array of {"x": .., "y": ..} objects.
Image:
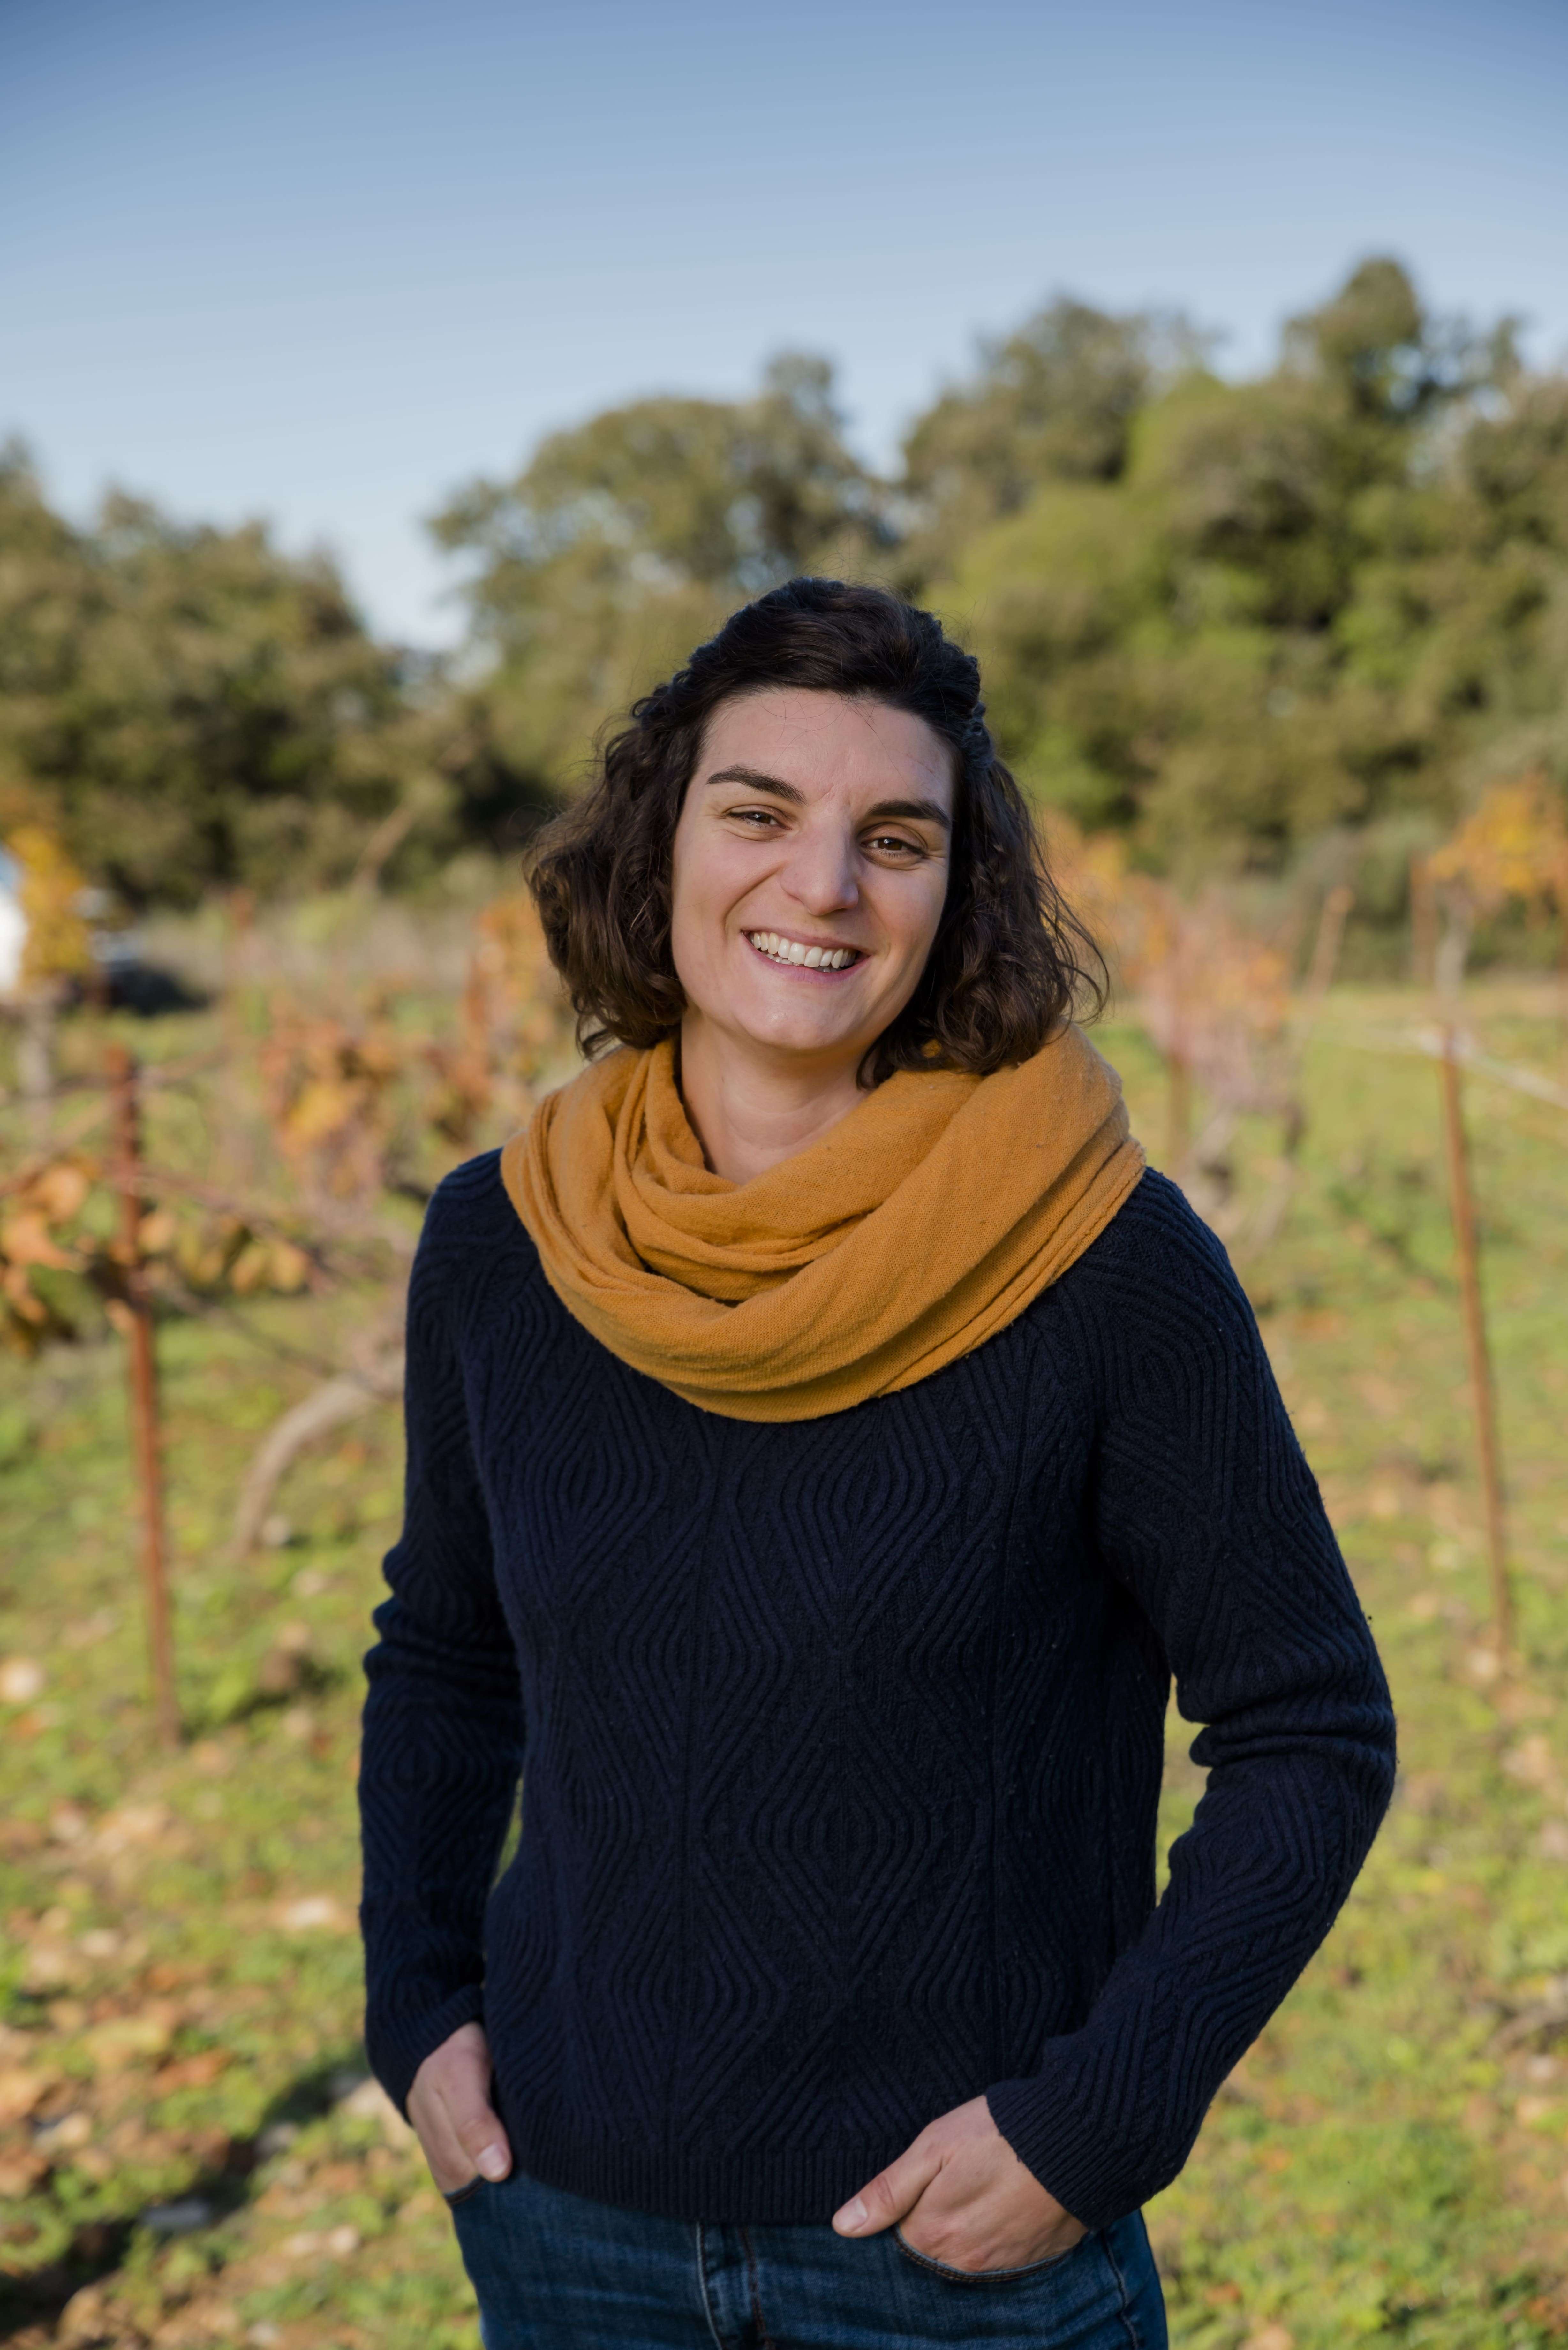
[{"x": 1009, "y": 960}]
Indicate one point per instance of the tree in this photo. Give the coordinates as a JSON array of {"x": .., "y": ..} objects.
[
  {"x": 1054, "y": 401},
  {"x": 189, "y": 706},
  {"x": 1389, "y": 360},
  {"x": 627, "y": 540},
  {"x": 1220, "y": 617},
  {"x": 1332, "y": 597}
]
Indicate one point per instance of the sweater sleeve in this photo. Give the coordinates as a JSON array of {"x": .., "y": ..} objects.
[
  {"x": 442, "y": 1745},
  {"x": 1204, "y": 1506}
]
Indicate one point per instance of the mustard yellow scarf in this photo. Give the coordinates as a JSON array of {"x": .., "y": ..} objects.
[{"x": 923, "y": 1221}]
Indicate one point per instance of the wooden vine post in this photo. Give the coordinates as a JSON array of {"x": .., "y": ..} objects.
[
  {"x": 1461, "y": 1199},
  {"x": 1178, "y": 1070},
  {"x": 1423, "y": 924},
  {"x": 1337, "y": 907},
  {"x": 146, "y": 1451},
  {"x": 1178, "y": 1109}
]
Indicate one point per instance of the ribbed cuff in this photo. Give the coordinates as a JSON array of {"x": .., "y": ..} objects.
[
  {"x": 1084, "y": 2162},
  {"x": 398, "y": 2045}
]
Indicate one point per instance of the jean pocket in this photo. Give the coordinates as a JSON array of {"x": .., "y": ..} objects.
[
  {"x": 461, "y": 2194},
  {"x": 1024, "y": 2275}
]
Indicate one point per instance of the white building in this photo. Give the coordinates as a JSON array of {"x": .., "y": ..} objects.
[{"x": 13, "y": 926}]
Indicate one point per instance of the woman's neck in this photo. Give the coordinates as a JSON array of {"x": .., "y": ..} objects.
[{"x": 749, "y": 1111}]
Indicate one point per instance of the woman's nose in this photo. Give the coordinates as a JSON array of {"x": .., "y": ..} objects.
[{"x": 822, "y": 871}]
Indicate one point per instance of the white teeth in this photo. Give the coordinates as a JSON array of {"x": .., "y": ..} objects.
[{"x": 781, "y": 950}]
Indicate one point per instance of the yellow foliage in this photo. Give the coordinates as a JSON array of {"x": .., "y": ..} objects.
[
  {"x": 249, "y": 1268},
  {"x": 288, "y": 1268},
  {"x": 1514, "y": 846},
  {"x": 329, "y": 1093},
  {"x": 60, "y": 1190},
  {"x": 26, "y": 1239},
  {"x": 32, "y": 1242},
  {"x": 58, "y": 944},
  {"x": 1211, "y": 993},
  {"x": 51, "y": 1197},
  {"x": 510, "y": 949},
  {"x": 322, "y": 1107},
  {"x": 1091, "y": 871}
]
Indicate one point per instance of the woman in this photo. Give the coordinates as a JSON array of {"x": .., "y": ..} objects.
[{"x": 825, "y": 1440}]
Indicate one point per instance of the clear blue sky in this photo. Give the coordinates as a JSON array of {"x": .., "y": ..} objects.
[{"x": 324, "y": 259}]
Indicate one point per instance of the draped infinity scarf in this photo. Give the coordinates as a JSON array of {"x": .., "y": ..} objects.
[{"x": 927, "y": 1219}]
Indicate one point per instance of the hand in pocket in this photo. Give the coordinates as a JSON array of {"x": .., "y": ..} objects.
[
  {"x": 450, "y": 2107},
  {"x": 965, "y": 2198}
]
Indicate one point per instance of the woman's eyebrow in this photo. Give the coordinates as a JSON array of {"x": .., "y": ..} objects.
[
  {"x": 912, "y": 811},
  {"x": 755, "y": 780},
  {"x": 915, "y": 811}
]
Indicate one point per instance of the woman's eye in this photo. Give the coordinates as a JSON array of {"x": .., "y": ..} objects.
[
  {"x": 886, "y": 840},
  {"x": 758, "y": 817}
]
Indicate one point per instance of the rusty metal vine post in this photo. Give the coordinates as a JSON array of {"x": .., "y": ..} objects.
[
  {"x": 1423, "y": 924},
  {"x": 1337, "y": 907},
  {"x": 147, "y": 1450},
  {"x": 1461, "y": 1199}
]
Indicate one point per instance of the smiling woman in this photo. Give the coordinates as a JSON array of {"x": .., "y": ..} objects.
[
  {"x": 824, "y": 1439},
  {"x": 820, "y": 708},
  {"x": 810, "y": 870}
]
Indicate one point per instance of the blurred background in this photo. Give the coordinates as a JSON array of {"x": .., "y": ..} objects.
[{"x": 392, "y": 395}]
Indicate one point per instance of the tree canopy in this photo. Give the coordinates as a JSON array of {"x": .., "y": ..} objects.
[
  {"x": 625, "y": 541},
  {"x": 188, "y": 706},
  {"x": 1335, "y": 596},
  {"x": 1221, "y": 616}
]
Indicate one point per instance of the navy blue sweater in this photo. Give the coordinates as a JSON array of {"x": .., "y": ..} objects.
[{"x": 844, "y": 1738}]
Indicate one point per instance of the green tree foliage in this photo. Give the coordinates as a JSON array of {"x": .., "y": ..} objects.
[
  {"x": 189, "y": 706},
  {"x": 1055, "y": 401},
  {"x": 1334, "y": 596},
  {"x": 1225, "y": 618},
  {"x": 625, "y": 542}
]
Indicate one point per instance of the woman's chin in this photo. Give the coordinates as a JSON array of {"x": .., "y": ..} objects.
[{"x": 780, "y": 1034}]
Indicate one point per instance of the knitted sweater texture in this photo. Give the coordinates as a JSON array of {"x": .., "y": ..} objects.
[{"x": 840, "y": 1740}]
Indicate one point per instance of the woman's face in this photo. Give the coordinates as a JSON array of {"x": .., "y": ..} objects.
[{"x": 810, "y": 870}]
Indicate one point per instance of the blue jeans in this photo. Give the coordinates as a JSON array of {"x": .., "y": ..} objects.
[{"x": 554, "y": 2271}]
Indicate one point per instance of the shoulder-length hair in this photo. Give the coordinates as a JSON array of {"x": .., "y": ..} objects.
[{"x": 1010, "y": 960}]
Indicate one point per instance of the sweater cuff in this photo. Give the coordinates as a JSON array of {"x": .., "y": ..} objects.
[
  {"x": 397, "y": 2046},
  {"x": 1077, "y": 2155}
]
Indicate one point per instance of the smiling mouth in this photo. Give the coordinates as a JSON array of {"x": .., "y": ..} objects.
[{"x": 795, "y": 955}]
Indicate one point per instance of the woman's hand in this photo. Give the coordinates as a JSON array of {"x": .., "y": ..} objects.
[
  {"x": 967, "y": 2200},
  {"x": 450, "y": 2106}
]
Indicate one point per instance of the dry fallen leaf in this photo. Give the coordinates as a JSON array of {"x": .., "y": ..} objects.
[
  {"x": 83, "y": 2318},
  {"x": 20, "y": 2090},
  {"x": 370, "y": 2102},
  {"x": 20, "y": 2173},
  {"x": 1530, "y": 1761},
  {"x": 65, "y": 2136},
  {"x": 132, "y": 1823},
  {"x": 124, "y": 2040},
  {"x": 21, "y": 1680},
  {"x": 53, "y": 1966},
  {"x": 192, "y": 2072},
  {"x": 314, "y": 1913}
]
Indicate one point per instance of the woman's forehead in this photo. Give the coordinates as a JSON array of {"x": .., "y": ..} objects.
[{"x": 827, "y": 742}]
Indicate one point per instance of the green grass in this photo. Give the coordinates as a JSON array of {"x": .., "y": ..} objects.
[{"x": 179, "y": 1986}]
